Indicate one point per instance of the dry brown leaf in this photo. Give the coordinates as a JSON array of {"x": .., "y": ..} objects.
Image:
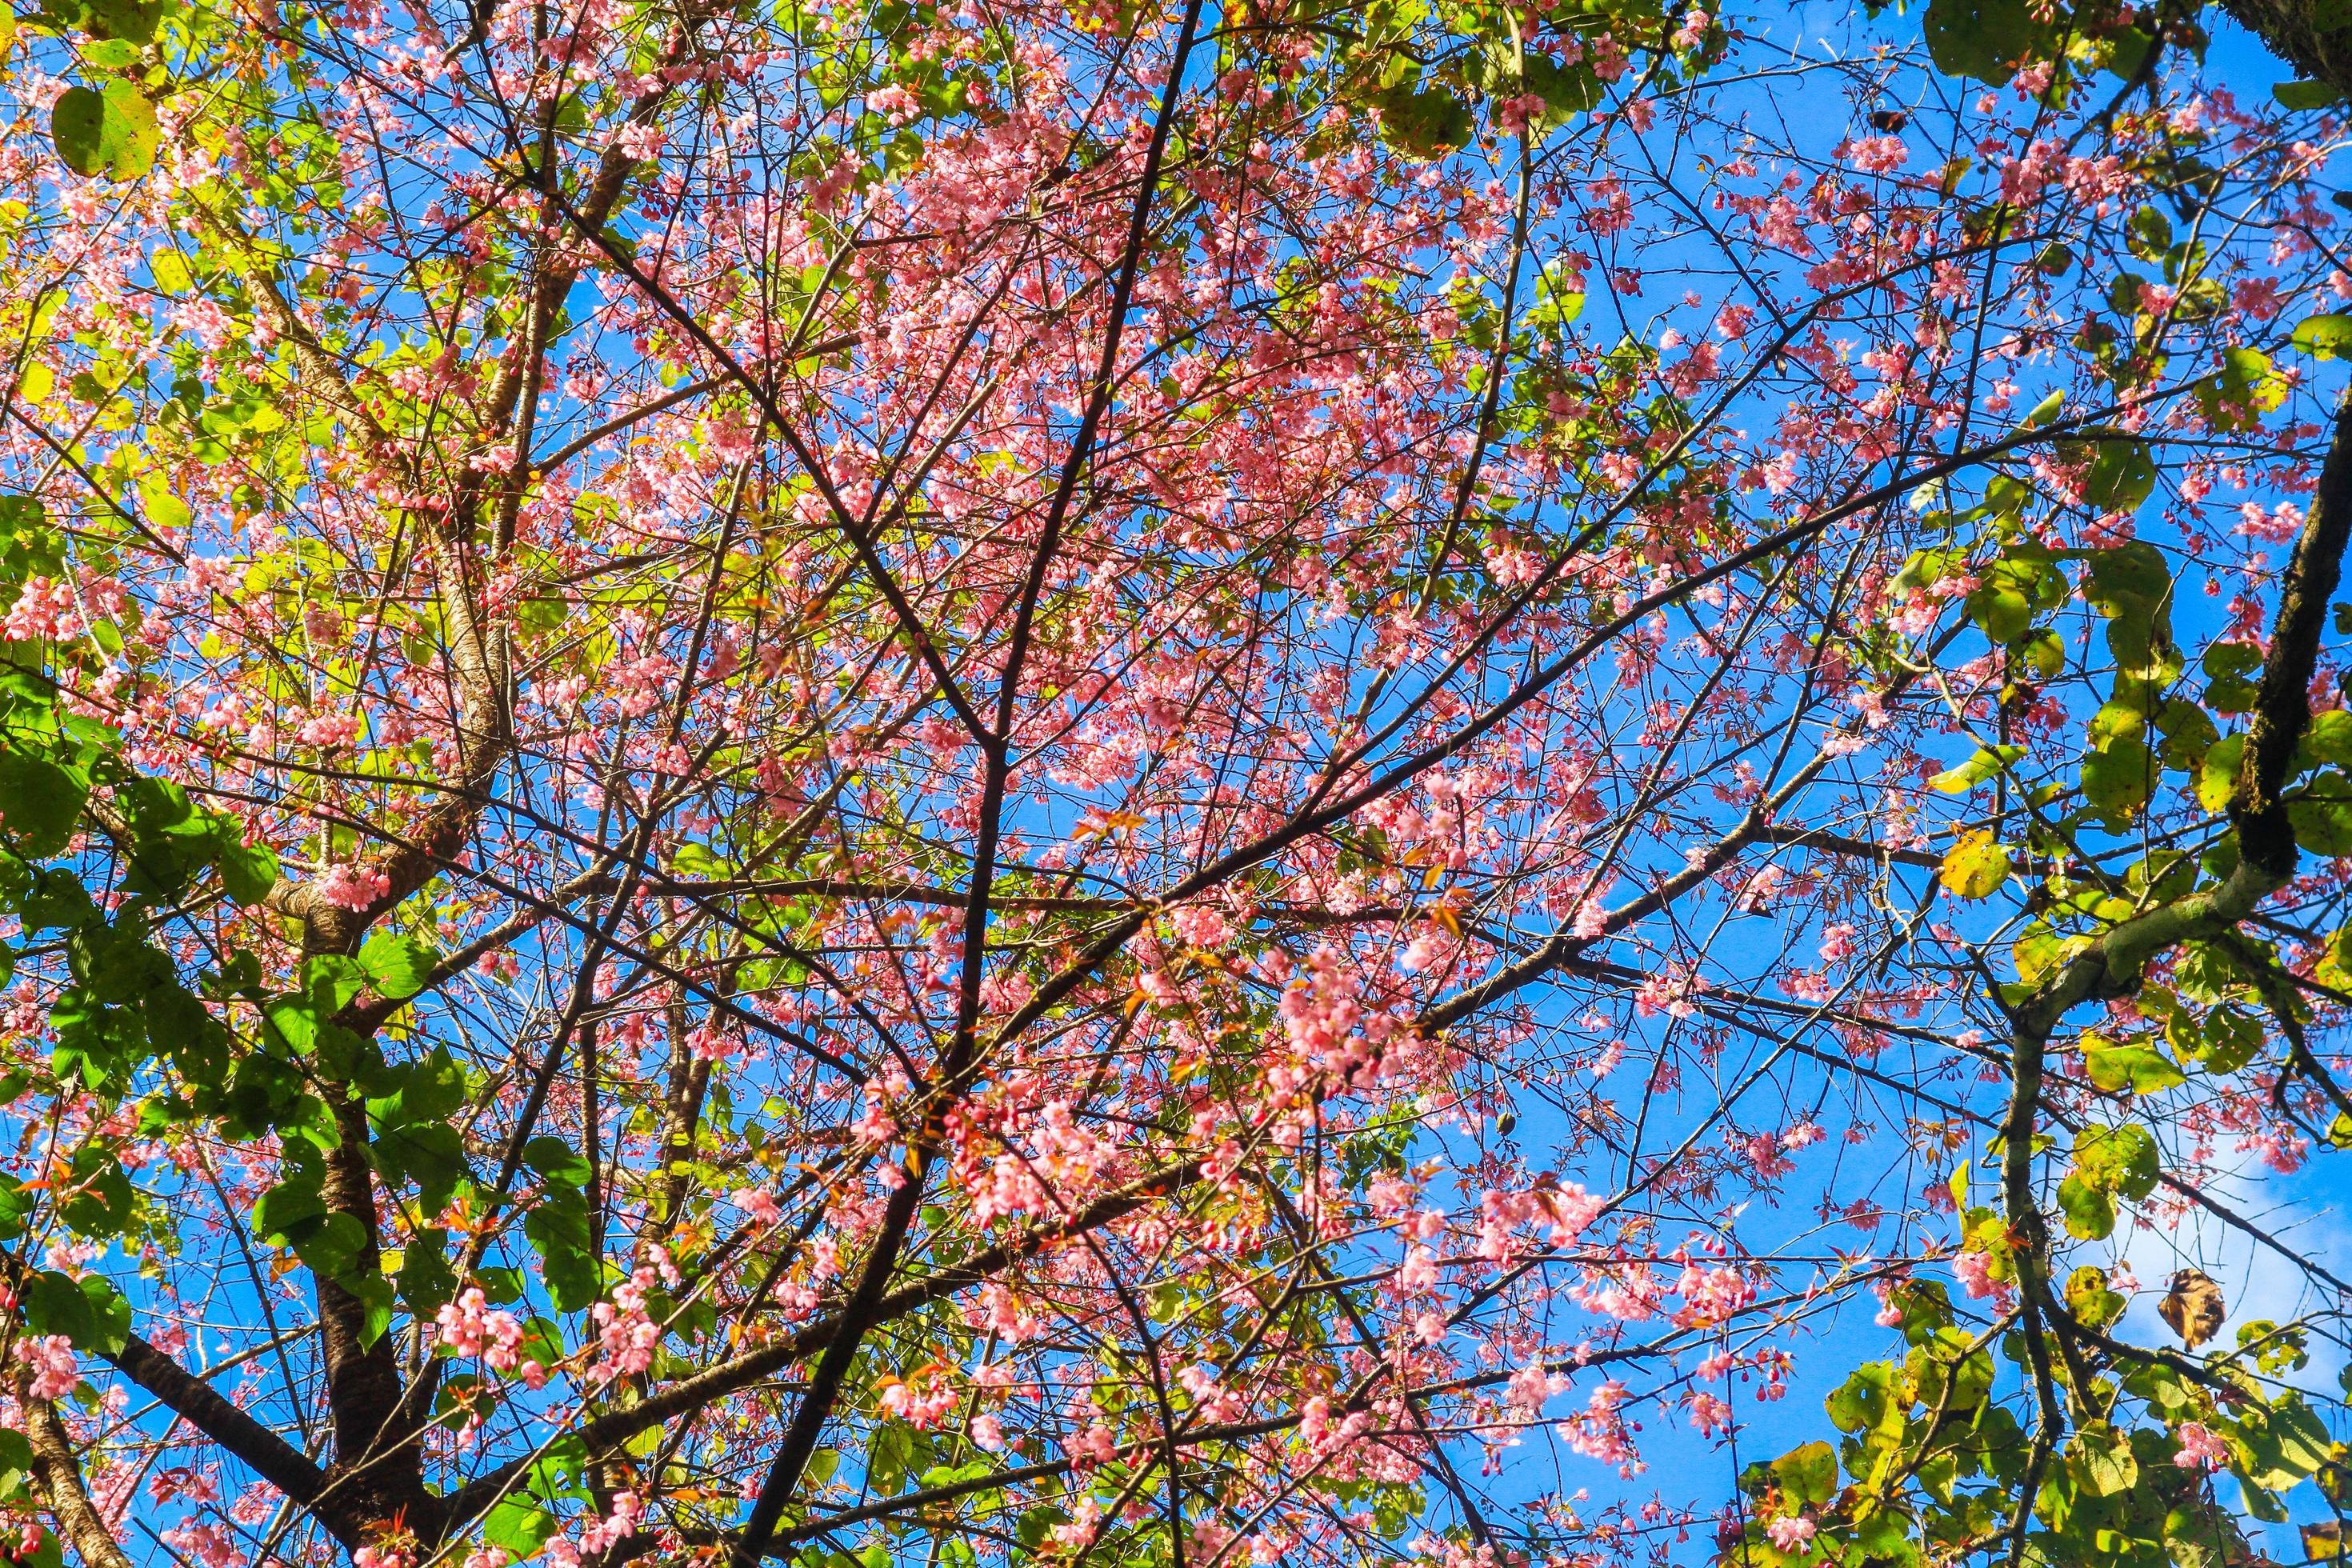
[{"x": 2193, "y": 1307}]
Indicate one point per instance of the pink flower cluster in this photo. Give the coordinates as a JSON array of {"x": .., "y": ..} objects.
[
  {"x": 470, "y": 1327},
  {"x": 51, "y": 1359},
  {"x": 922, "y": 1402},
  {"x": 330, "y": 731},
  {"x": 44, "y": 609},
  {"x": 1974, "y": 1270},
  {"x": 602, "y": 1536},
  {"x": 1567, "y": 1208},
  {"x": 208, "y": 1542},
  {"x": 2200, "y": 1448},
  {"x": 1712, "y": 1294},
  {"x": 626, "y": 1335},
  {"x": 353, "y": 886},
  {"x": 1599, "y": 1431}
]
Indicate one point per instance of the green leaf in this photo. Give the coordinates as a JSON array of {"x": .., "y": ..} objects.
[
  {"x": 2089, "y": 1299},
  {"x": 2217, "y": 777},
  {"x": 16, "y": 1202},
  {"x": 109, "y": 134},
  {"x": 377, "y": 1294},
  {"x": 2117, "y": 721},
  {"x": 332, "y": 982},
  {"x": 296, "y": 1021},
  {"x": 2104, "y": 1460},
  {"x": 2325, "y": 337},
  {"x": 1974, "y": 867},
  {"x": 125, "y": 21},
  {"x": 2227, "y": 664},
  {"x": 2248, "y": 385},
  {"x": 420, "y": 1092},
  {"x": 557, "y": 1161},
  {"x": 291, "y": 1205},
  {"x": 100, "y": 1200},
  {"x": 1986, "y": 764},
  {"x": 2224, "y": 1041},
  {"x": 2121, "y": 477},
  {"x": 397, "y": 966},
  {"x": 2004, "y": 613},
  {"x": 2305, "y": 94},
  {"x": 2120, "y": 777},
  {"x": 247, "y": 870},
  {"x": 519, "y": 1525},
  {"x": 1423, "y": 124},
  {"x": 426, "y": 1280},
  {"x": 1565, "y": 90},
  {"x": 430, "y": 1153},
  {"x": 2320, "y": 814},
  {"x": 2140, "y": 1068},
  {"x": 557, "y": 1226},
  {"x": 180, "y": 1024},
  {"x": 2189, "y": 733},
  {"x": 2132, "y": 586},
  {"x": 165, "y": 510},
  {"x": 1982, "y": 38},
  {"x": 330, "y": 1248},
  {"x": 88, "y": 1038},
  {"x": 1870, "y": 1400},
  {"x": 2039, "y": 657},
  {"x": 40, "y": 803},
  {"x": 2328, "y": 738},
  {"x": 1808, "y": 1474},
  {"x": 90, "y": 1311},
  {"x": 2121, "y": 1160}
]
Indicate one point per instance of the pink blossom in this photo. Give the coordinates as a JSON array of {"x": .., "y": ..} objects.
[
  {"x": 353, "y": 886},
  {"x": 208, "y": 1542},
  {"x": 44, "y": 608},
  {"x": 468, "y": 1326},
  {"x": 626, "y": 1335},
  {"x": 331, "y": 733},
  {"x": 760, "y": 1203},
  {"x": 2200, "y": 1448},
  {"x": 55, "y": 1370},
  {"x": 894, "y": 103}
]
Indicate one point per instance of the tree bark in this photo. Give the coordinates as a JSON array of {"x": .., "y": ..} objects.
[
  {"x": 2296, "y": 31},
  {"x": 58, "y": 1473}
]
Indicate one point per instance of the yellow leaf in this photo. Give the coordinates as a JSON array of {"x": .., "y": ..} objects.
[{"x": 1976, "y": 867}]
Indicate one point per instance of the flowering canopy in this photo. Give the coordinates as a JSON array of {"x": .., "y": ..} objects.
[{"x": 941, "y": 781}]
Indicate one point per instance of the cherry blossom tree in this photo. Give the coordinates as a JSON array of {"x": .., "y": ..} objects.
[{"x": 913, "y": 782}]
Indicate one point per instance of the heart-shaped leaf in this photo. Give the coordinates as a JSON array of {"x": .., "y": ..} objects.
[{"x": 108, "y": 133}]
